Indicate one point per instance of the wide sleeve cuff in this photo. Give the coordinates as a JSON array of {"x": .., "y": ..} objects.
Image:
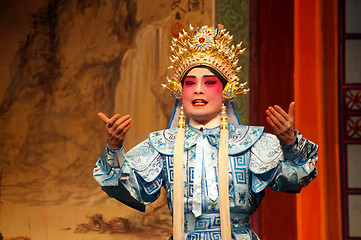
[
  {"x": 299, "y": 166},
  {"x": 106, "y": 171},
  {"x": 292, "y": 170},
  {"x": 300, "y": 150}
]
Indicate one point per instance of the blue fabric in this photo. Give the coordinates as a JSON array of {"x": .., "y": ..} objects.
[
  {"x": 173, "y": 113},
  {"x": 256, "y": 161},
  {"x": 235, "y": 112}
]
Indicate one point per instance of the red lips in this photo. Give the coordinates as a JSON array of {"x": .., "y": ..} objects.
[{"x": 199, "y": 102}]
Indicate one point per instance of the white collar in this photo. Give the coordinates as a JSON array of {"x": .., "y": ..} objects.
[{"x": 215, "y": 122}]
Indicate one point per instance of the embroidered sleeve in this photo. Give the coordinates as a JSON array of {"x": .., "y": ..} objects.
[
  {"x": 106, "y": 171},
  {"x": 299, "y": 167},
  {"x": 135, "y": 174},
  {"x": 287, "y": 168}
]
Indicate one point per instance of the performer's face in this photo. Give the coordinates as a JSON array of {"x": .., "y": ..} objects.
[{"x": 202, "y": 95}]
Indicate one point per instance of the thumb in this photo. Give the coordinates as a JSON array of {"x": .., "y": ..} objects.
[
  {"x": 103, "y": 117},
  {"x": 291, "y": 110}
]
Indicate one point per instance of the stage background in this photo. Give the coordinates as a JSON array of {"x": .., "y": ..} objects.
[{"x": 64, "y": 61}]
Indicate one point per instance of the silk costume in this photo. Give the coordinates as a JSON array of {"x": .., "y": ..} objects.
[{"x": 256, "y": 160}]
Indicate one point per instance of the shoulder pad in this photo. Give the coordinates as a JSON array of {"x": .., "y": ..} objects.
[
  {"x": 163, "y": 141},
  {"x": 145, "y": 160},
  {"x": 265, "y": 154},
  {"x": 242, "y": 138}
]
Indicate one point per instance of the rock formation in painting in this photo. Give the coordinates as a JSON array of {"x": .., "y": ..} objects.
[{"x": 79, "y": 58}]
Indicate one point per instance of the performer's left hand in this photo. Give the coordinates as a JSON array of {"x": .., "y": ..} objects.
[{"x": 282, "y": 123}]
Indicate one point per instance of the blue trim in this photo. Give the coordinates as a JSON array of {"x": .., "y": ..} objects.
[
  {"x": 114, "y": 149},
  {"x": 174, "y": 111},
  {"x": 293, "y": 142},
  {"x": 158, "y": 150},
  {"x": 235, "y": 112},
  {"x": 246, "y": 148},
  {"x": 266, "y": 178}
]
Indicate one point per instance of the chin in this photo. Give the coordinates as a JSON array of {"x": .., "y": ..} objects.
[
  {"x": 202, "y": 119},
  {"x": 201, "y": 114}
]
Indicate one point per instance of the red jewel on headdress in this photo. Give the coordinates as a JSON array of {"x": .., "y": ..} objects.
[{"x": 201, "y": 40}]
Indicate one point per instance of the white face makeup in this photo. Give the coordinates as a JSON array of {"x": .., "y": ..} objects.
[{"x": 202, "y": 95}]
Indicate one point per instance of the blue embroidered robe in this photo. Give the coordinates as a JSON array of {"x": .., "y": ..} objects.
[{"x": 256, "y": 160}]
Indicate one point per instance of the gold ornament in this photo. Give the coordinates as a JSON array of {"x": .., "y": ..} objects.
[
  {"x": 209, "y": 47},
  {"x": 224, "y": 122}
]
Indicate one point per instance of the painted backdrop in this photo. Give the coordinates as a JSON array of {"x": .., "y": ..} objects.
[{"x": 62, "y": 62}]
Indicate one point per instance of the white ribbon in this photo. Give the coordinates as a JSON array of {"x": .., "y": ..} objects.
[
  {"x": 204, "y": 162},
  {"x": 198, "y": 169}
]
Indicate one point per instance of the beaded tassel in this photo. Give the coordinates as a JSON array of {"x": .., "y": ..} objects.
[
  {"x": 178, "y": 188},
  {"x": 223, "y": 178}
]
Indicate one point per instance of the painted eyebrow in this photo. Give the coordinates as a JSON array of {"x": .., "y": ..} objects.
[{"x": 205, "y": 76}]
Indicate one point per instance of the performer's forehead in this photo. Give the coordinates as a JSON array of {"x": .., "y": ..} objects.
[
  {"x": 211, "y": 70},
  {"x": 199, "y": 71}
]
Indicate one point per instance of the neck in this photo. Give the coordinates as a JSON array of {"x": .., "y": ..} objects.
[{"x": 215, "y": 122}]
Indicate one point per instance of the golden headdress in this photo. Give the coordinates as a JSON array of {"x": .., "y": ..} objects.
[{"x": 209, "y": 47}]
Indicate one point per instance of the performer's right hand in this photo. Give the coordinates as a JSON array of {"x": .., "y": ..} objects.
[{"x": 116, "y": 128}]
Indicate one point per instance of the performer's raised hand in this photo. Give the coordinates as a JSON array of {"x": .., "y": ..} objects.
[
  {"x": 282, "y": 123},
  {"x": 116, "y": 128}
]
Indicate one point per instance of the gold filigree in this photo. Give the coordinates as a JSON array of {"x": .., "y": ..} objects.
[{"x": 209, "y": 47}]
